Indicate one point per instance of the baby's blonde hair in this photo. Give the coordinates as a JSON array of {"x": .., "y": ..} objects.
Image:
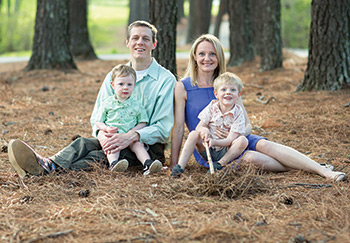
[
  {"x": 123, "y": 70},
  {"x": 228, "y": 78}
]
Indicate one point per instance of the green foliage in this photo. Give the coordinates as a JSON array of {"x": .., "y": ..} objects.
[
  {"x": 106, "y": 18},
  {"x": 295, "y": 21},
  {"x": 107, "y": 22},
  {"x": 17, "y": 27}
]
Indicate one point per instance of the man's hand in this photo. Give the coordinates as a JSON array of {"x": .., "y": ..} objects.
[{"x": 116, "y": 142}]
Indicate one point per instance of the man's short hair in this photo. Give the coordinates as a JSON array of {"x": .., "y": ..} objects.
[{"x": 142, "y": 23}]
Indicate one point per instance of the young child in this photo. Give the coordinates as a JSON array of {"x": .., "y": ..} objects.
[
  {"x": 120, "y": 113},
  {"x": 222, "y": 113}
]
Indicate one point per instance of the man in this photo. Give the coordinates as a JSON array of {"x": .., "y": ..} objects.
[{"x": 154, "y": 88}]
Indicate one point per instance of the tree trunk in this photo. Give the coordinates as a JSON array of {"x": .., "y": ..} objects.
[
  {"x": 80, "y": 45},
  {"x": 257, "y": 26},
  {"x": 17, "y": 6},
  {"x": 241, "y": 49},
  {"x": 8, "y": 8},
  {"x": 199, "y": 19},
  {"x": 138, "y": 10},
  {"x": 218, "y": 20},
  {"x": 328, "y": 64},
  {"x": 163, "y": 16},
  {"x": 271, "y": 41},
  {"x": 180, "y": 10},
  {"x": 51, "y": 37}
]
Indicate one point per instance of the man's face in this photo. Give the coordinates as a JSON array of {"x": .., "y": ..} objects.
[{"x": 140, "y": 43}]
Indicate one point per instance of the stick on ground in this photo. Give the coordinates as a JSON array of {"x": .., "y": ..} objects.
[{"x": 211, "y": 167}]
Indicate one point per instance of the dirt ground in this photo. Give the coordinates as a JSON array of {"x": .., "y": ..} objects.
[{"x": 48, "y": 109}]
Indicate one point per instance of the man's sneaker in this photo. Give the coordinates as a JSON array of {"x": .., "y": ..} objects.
[
  {"x": 217, "y": 166},
  {"x": 151, "y": 166},
  {"x": 25, "y": 160},
  {"x": 119, "y": 166},
  {"x": 177, "y": 171}
]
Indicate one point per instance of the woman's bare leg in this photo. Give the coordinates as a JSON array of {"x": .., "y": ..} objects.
[
  {"x": 291, "y": 158},
  {"x": 264, "y": 162}
]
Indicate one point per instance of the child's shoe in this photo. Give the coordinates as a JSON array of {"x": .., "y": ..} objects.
[
  {"x": 217, "y": 166},
  {"x": 151, "y": 167},
  {"x": 177, "y": 171},
  {"x": 119, "y": 166}
]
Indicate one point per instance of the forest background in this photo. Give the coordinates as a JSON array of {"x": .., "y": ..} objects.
[
  {"x": 50, "y": 108},
  {"x": 108, "y": 18}
]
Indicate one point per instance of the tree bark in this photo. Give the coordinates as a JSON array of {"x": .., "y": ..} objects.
[
  {"x": 271, "y": 41},
  {"x": 199, "y": 19},
  {"x": 163, "y": 16},
  {"x": 257, "y": 26},
  {"x": 51, "y": 37},
  {"x": 328, "y": 64},
  {"x": 218, "y": 20},
  {"x": 241, "y": 49},
  {"x": 80, "y": 45},
  {"x": 180, "y": 10},
  {"x": 138, "y": 10}
]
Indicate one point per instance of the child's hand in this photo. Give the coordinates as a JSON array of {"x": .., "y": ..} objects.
[
  {"x": 112, "y": 129},
  {"x": 221, "y": 133},
  {"x": 204, "y": 133},
  {"x": 211, "y": 142}
]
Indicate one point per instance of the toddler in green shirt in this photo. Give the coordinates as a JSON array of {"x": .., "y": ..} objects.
[{"x": 121, "y": 113}]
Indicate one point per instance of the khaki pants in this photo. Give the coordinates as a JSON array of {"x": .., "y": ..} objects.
[{"x": 84, "y": 151}]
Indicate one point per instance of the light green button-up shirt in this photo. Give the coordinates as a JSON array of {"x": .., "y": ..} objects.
[
  {"x": 155, "y": 91},
  {"x": 124, "y": 115}
]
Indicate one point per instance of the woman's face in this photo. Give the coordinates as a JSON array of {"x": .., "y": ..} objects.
[{"x": 205, "y": 57}]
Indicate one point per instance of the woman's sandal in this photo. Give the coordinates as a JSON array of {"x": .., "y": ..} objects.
[
  {"x": 328, "y": 166},
  {"x": 340, "y": 177}
]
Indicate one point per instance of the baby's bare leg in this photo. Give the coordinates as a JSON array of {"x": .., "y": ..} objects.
[
  {"x": 112, "y": 157},
  {"x": 236, "y": 149},
  {"x": 139, "y": 149},
  {"x": 189, "y": 146}
]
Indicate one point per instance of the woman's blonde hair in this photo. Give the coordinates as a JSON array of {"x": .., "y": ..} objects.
[{"x": 192, "y": 67}]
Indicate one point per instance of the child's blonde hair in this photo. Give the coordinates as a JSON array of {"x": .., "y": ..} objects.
[
  {"x": 228, "y": 78},
  {"x": 123, "y": 70}
]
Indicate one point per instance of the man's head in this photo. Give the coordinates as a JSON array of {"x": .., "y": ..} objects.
[
  {"x": 141, "y": 23},
  {"x": 141, "y": 40},
  {"x": 123, "y": 81}
]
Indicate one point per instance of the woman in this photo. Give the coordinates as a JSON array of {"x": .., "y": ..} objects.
[{"x": 193, "y": 93}]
